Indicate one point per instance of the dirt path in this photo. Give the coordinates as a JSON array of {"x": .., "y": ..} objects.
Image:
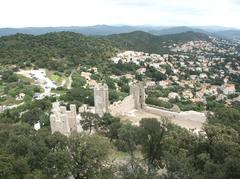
[
  {"x": 63, "y": 82},
  {"x": 69, "y": 85}
]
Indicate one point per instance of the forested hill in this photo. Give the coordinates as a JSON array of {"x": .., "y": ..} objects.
[
  {"x": 142, "y": 41},
  {"x": 62, "y": 50},
  {"x": 53, "y": 50},
  {"x": 185, "y": 36}
]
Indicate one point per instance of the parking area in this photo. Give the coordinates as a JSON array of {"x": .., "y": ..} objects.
[{"x": 40, "y": 78}]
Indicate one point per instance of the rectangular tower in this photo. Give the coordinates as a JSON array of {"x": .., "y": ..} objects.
[
  {"x": 64, "y": 121},
  {"x": 138, "y": 93},
  {"x": 72, "y": 118},
  {"x": 101, "y": 99}
]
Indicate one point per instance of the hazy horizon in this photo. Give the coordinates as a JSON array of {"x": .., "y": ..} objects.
[{"x": 127, "y": 25}]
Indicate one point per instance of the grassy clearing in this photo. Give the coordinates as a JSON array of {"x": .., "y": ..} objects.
[
  {"x": 9, "y": 100},
  {"x": 24, "y": 78},
  {"x": 55, "y": 77},
  {"x": 116, "y": 155},
  {"x": 59, "y": 91}
]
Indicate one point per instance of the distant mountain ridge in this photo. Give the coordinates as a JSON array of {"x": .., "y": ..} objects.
[
  {"x": 104, "y": 30},
  {"x": 98, "y": 30}
]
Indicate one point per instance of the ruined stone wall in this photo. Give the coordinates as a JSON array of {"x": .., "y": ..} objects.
[
  {"x": 160, "y": 112},
  {"x": 82, "y": 108},
  {"x": 187, "y": 115},
  {"x": 123, "y": 107}
]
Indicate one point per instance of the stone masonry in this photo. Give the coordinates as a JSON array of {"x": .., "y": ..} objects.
[
  {"x": 101, "y": 99},
  {"x": 67, "y": 122},
  {"x": 138, "y": 92},
  {"x": 64, "y": 121},
  {"x": 135, "y": 101}
]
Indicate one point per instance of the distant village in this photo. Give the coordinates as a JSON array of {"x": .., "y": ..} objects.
[{"x": 197, "y": 67}]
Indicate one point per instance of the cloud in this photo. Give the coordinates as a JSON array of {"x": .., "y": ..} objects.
[
  {"x": 132, "y": 12},
  {"x": 132, "y": 3}
]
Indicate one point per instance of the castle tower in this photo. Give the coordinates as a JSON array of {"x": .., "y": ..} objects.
[
  {"x": 72, "y": 118},
  {"x": 138, "y": 93},
  {"x": 101, "y": 99},
  {"x": 59, "y": 123},
  {"x": 64, "y": 121}
]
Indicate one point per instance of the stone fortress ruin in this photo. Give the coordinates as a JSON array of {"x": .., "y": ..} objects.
[
  {"x": 67, "y": 122},
  {"x": 131, "y": 108},
  {"x": 64, "y": 121}
]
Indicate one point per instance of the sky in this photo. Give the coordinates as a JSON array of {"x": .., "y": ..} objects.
[{"x": 45, "y": 13}]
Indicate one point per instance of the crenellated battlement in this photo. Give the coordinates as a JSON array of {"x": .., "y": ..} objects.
[{"x": 63, "y": 120}]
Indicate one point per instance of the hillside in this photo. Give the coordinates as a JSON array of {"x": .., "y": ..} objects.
[
  {"x": 63, "y": 50},
  {"x": 176, "y": 30},
  {"x": 142, "y": 41},
  {"x": 55, "y": 51},
  {"x": 138, "y": 40},
  {"x": 185, "y": 36}
]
